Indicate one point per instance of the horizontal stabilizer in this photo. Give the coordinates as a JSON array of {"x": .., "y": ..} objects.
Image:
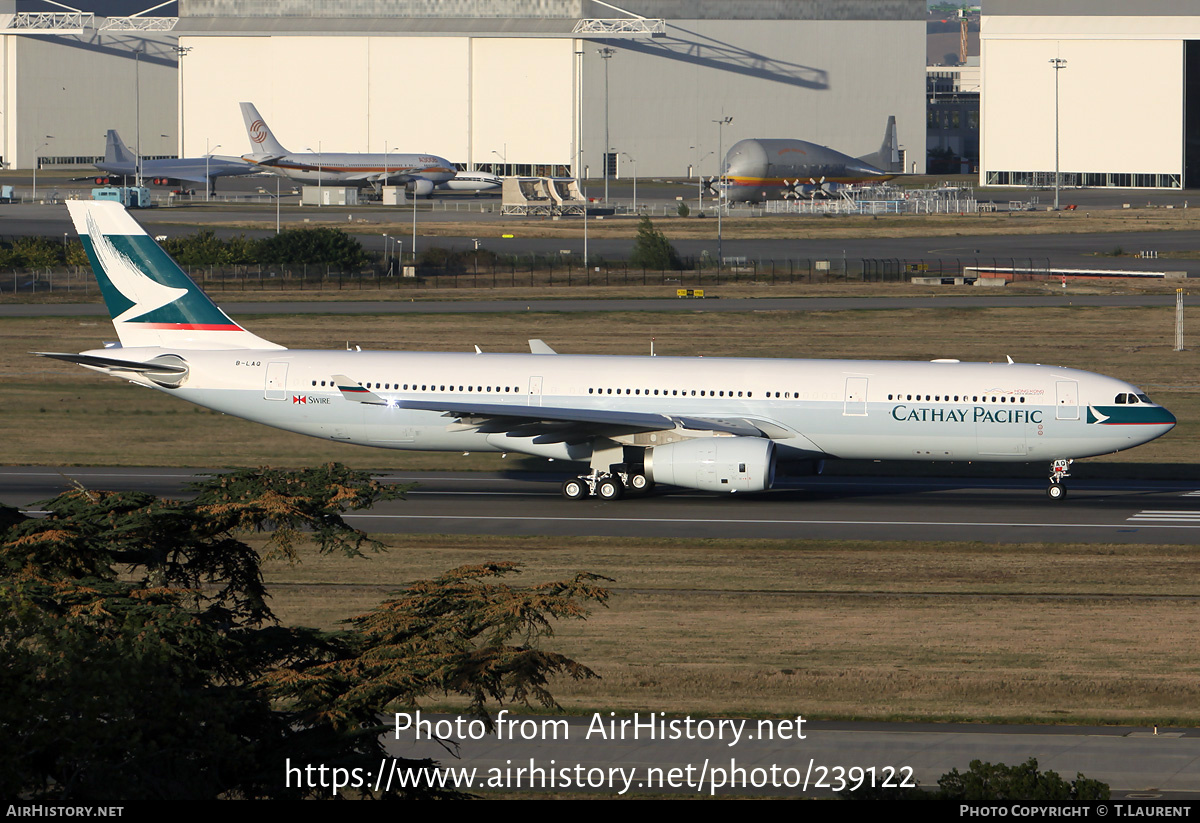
[
  {"x": 113, "y": 364},
  {"x": 540, "y": 347},
  {"x": 167, "y": 370}
]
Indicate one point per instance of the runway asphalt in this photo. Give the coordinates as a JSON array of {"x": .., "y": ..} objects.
[
  {"x": 978, "y": 509},
  {"x": 1139, "y": 764},
  {"x": 796, "y": 304}
]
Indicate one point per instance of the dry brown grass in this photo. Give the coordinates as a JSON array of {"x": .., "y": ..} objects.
[
  {"x": 55, "y": 413},
  {"x": 1058, "y": 633},
  {"x": 554, "y": 286}
]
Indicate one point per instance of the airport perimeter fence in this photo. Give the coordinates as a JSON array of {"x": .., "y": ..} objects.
[{"x": 537, "y": 273}]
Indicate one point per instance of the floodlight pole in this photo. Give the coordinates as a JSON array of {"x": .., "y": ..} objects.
[
  {"x": 137, "y": 109},
  {"x": 720, "y": 180},
  {"x": 35, "y": 166},
  {"x": 606, "y": 53},
  {"x": 634, "y": 162},
  {"x": 182, "y": 51},
  {"x": 580, "y": 173},
  {"x": 1059, "y": 64}
]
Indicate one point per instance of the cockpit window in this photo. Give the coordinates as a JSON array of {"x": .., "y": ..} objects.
[{"x": 1144, "y": 398}]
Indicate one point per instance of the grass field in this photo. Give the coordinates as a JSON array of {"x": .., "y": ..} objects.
[{"x": 1039, "y": 632}]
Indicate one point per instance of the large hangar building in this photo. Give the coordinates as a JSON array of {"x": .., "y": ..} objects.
[
  {"x": 521, "y": 86},
  {"x": 67, "y": 76},
  {"x": 1128, "y": 96}
]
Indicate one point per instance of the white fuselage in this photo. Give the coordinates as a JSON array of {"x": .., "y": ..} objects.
[
  {"x": 883, "y": 410},
  {"x": 472, "y": 181},
  {"x": 332, "y": 169}
]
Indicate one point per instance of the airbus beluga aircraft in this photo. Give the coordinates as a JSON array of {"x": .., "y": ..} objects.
[
  {"x": 758, "y": 170},
  {"x": 714, "y": 424}
]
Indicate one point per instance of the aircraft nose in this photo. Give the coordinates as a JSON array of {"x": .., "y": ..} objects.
[{"x": 1158, "y": 422}]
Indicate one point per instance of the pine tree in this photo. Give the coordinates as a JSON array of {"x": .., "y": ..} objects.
[
  {"x": 139, "y": 657},
  {"x": 652, "y": 250}
]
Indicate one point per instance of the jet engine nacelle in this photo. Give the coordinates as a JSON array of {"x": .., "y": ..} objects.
[
  {"x": 421, "y": 187},
  {"x": 716, "y": 464}
]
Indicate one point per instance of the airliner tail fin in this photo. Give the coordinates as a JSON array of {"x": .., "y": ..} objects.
[
  {"x": 262, "y": 141},
  {"x": 115, "y": 151},
  {"x": 151, "y": 300}
]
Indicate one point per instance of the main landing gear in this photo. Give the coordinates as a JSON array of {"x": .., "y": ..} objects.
[
  {"x": 1059, "y": 471},
  {"x": 610, "y": 485}
]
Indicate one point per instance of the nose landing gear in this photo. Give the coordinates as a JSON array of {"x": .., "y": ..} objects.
[{"x": 1059, "y": 471}]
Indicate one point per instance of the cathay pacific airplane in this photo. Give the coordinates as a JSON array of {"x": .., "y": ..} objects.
[
  {"x": 709, "y": 423},
  {"x": 421, "y": 172}
]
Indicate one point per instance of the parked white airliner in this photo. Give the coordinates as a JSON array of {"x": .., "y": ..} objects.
[
  {"x": 419, "y": 172},
  {"x": 716, "y": 424}
]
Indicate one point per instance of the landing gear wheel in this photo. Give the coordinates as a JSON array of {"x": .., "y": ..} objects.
[
  {"x": 610, "y": 488},
  {"x": 1056, "y": 491},
  {"x": 639, "y": 482},
  {"x": 574, "y": 489}
]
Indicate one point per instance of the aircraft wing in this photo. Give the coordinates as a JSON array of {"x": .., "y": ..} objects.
[
  {"x": 263, "y": 159},
  {"x": 550, "y": 424},
  {"x": 380, "y": 177},
  {"x": 554, "y": 424},
  {"x": 197, "y": 175}
]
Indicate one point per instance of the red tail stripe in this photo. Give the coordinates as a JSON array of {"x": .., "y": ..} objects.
[{"x": 194, "y": 326}]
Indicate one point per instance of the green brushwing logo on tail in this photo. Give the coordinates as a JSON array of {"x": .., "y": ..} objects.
[{"x": 141, "y": 284}]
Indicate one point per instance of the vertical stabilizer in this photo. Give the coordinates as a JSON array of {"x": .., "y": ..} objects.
[
  {"x": 115, "y": 150},
  {"x": 261, "y": 139},
  {"x": 888, "y": 157},
  {"x": 151, "y": 301}
]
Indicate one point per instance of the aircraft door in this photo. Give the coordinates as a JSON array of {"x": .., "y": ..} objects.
[
  {"x": 535, "y": 391},
  {"x": 1068, "y": 400},
  {"x": 856, "y": 397},
  {"x": 1000, "y": 431},
  {"x": 276, "y": 384}
]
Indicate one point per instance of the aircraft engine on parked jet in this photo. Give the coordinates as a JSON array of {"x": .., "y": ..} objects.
[
  {"x": 717, "y": 464},
  {"x": 421, "y": 188}
]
